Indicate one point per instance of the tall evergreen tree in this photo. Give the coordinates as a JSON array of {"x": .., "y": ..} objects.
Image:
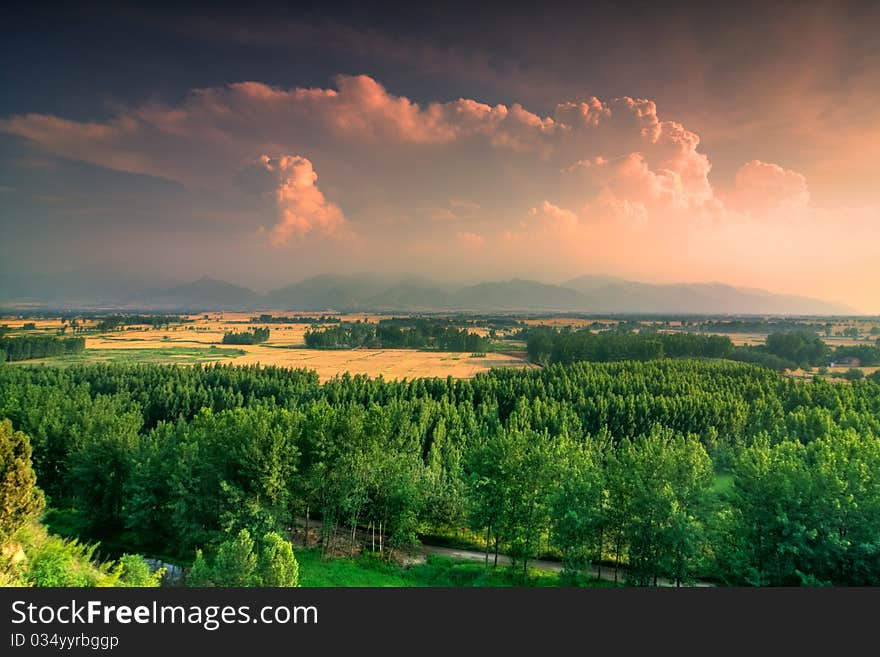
[{"x": 20, "y": 499}]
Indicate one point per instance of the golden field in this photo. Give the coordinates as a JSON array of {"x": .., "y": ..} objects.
[
  {"x": 285, "y": 348},
  {"x": 200, "y": 341}
]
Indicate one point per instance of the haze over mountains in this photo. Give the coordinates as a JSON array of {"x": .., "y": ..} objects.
[{"x": 90, "y": 288}]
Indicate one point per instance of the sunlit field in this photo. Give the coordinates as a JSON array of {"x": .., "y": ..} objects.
[{"x": 200, "y": 341}]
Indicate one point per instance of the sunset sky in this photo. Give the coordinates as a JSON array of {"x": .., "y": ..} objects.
[{"x": 656, "y": 142}]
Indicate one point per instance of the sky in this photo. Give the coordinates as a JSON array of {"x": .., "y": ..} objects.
[{"x": 660, "y": 142}]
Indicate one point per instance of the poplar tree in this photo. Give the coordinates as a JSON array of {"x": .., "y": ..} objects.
[{"x": 20, "y": 499}]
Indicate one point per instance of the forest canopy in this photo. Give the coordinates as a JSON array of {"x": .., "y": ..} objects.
[
  {"x": 613, "y": 462},
  {"x": 412, "y": 333},
  {"x": 254, "y": 336},
  {"x": 27, "y": 347}
]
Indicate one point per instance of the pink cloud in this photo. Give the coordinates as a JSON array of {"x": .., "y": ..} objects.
[
  {"x": 621, "y": 152},
  {"x": 606, "y": 182},
  {"x": 555, "y": 218},
  {"x": 302, "y": 207},
  {"x": 763, "y": 187},
  {"x": 635, "y": 147},
  {"x": 470, "y": 240}
]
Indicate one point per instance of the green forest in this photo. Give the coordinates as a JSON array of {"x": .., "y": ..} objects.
[
  {"x": 255, "y": 336},
  {"x": 410, "y": 333},
  {"x": 294, "y": 319},
  {"x": 780, "y": 351},
  {"x": 27, "y": 347},
  {"x": 673, "y": 469},
  {"x": 546, "y": 345}
]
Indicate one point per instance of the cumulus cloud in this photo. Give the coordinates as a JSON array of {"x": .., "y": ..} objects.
[
  {"x": 302, "y": 207},
  {"x": 555, "y": 218},
  {"x": 765, "y": 187},
  {"x": 606, "y": 183},
  {"x": 618, "y": 150},
  {"x": 360, "y": 112}
]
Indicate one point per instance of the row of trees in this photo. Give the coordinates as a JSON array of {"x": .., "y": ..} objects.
[
  {"x": 545, "y": 345},
  {"x": 113, "y": 322},
  {"x": 801, "y": 348},
  {"x": 254, "y": 336},
  {"x": 866, "y": 354},
  {"x": 599, "y": 462},
  {"x": 294, "y": 319},
  {"x": 806, "y": 349},
  {"x": 782, "y": 350},
  {"x": 772, "y": 325},
  {"x": 26, "y": 347},
  {"x": 413, "y": 333}
]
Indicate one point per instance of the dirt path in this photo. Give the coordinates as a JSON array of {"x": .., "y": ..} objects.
[{"x": 607, "y": 573}]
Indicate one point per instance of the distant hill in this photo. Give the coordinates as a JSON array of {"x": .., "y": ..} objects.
[
  {"x": 328, "y": 292},
  {"x": 412, "y": 296},
  {"x": 517, "y": 294},
  {"x": 372, "y": 292},
  {"x": 91, "y": 286},
  {"x": 100, "y": 287},
  {"x": 592, "y": 294},
  {"x": 207, "y": 294},
  {"x": 604, "y": 294}
]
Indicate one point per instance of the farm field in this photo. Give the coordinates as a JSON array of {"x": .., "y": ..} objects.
[
  {"x": 160, "y": 355},
  {"x": 388, "y": 363},
  {"x": 200, "y": 341}
]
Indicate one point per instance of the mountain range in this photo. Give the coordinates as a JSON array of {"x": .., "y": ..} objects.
[{"x": 587, "y": 294}]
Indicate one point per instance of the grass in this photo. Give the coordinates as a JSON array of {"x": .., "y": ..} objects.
[
  {"x": 361, "y": 571},
  {"x": 170, "y": 354},
  {"x": 443, "y": 571},
  {"x": 436, "y": 571},
  {"x": 316, "y": 571},
  {"x": 51, "y": 560}
]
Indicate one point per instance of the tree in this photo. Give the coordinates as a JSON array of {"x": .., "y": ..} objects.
[
  {"x": 179, "y": 458},
  {"x": 666, "y": 478},
  {"x": 486, "y": 492},
  {"x": 513, "y": 476},
  {"x": 256, "y": 336},
  {"x": 134, "y": 571},
  {"x": 236, "y": 561},
  {"x": 765, "y": 534},
  {"x": 578, "y": 505},
  {"x": 802, "y": 347},
  {"x": 201, "y": 574},
  {"x": 853, "y": 374},
  {"x": 20, "y": 499},
  {"x": 101, "y": 461},
  {"x": 845, "y": 474},
  {"x": 277, "y": 565},
  {"x": 240, "y": 562}
]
